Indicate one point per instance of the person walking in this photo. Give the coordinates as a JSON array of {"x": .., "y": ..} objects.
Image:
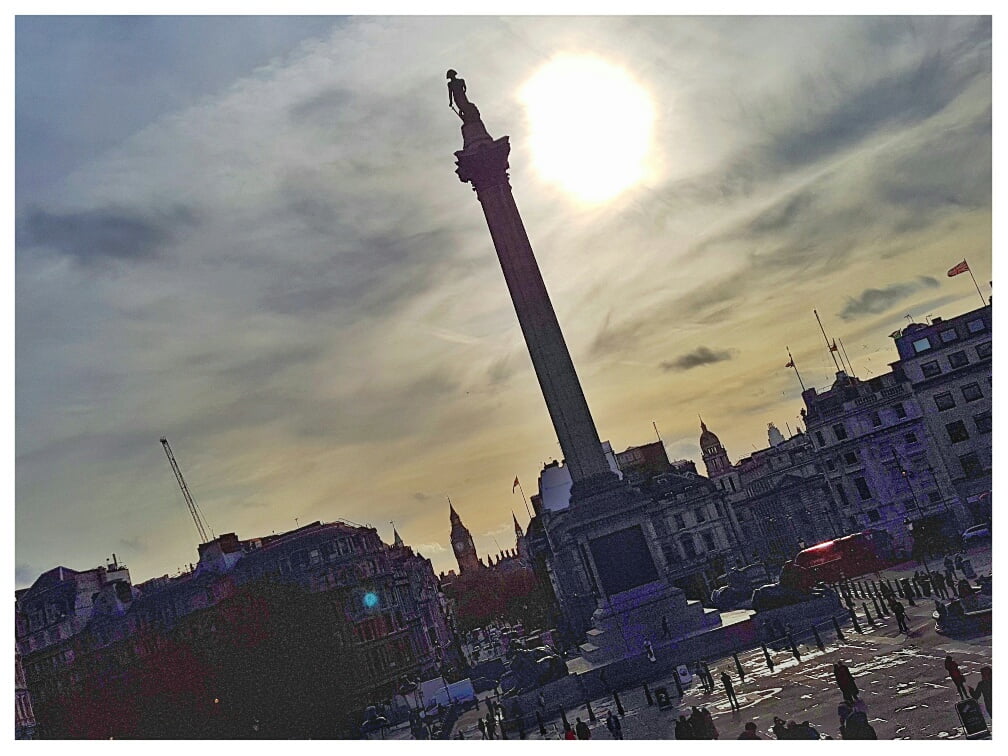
[
  {"x": 949, "y": 569},
  {"x": 845, "y": 681},
  {"x": 612, "y": 724},
  {"x": 683, "y": 729},
  {"x": 482, "y": 729},
  {"x": 749, "y": 733},
  {"x": 957, "y": 676},
  {"x": 582, "y": 730},
  {"x": 569, "y": 733},
  {"x": 939, "y": 584},
  {"x": 706, "y": 678},
  {"x": 779, "y": 729},
  {"x": 709, "y": 729},
  {"x": 900, "y": 612},
  {"x": 730, "y": 690},
  {"x": 983, "y": 689},
  {"x": 698, "y": 727}
]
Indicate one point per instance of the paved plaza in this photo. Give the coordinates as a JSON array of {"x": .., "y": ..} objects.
[{"x": 902, "y": 680}]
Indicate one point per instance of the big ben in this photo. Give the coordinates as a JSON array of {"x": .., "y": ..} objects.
[{"x": 462, "y": 544}]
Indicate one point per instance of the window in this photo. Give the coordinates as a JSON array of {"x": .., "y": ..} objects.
[
  {"x": 719, "y": 509},
  {"x": 983, "y": 422},
  {"x": 971, "y": 392},
  {"x": 910, "y": 438},
  {"x": 957, "y": 431},
  {"x": 680, "y": 523},
  {"x": 944, "y": 401},
  {"x": 708, "y": 540},
  {"x": 900, "y": 410},
  {"x": 842, "y": 494},
  {"x": 958, "y": 360},
  {"x": 921, "y": 345},
  {"x": 984, "y": 350},
  {"x": 850, "y": 458},
  {"x": 862, "y": 488},
  {"x": 830, "y": 465},
  {"x": 820, "y": 439},
  {"x": 839, "y": 431},
  {"x": 699, "y": 514},
  {"x": 688, "y": 548},
  {"x": 976, "y": 326},
  {"x": 971, "y": 465},
  {"x": 876, "y": 420},
  {"x": 930, "y": 369},
  {"x": 873, "y": 515},
  {"x": 934, "y": 497},
  {"x": 949, "y": 335}
]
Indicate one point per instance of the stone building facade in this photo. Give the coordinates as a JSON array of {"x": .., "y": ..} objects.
[{"x": 72, "y": 625}]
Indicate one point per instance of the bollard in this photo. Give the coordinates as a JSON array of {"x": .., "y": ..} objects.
[
  {"x": 908, "y": 592},
  {"x": 900, "y": 590},
  {"x": 766, "y": 655},
  {"x": 794, "y": 647},
  {"x": 563, "y": 718},
  {"x": 677, "y": 681},
  {"x": 619, "y": 704},
  {"x": 647, "y": 695},
  {"x": 868, "y": 614},
  {"x": 591, "y": 714},
  {"x": 839, "y": 633},
  {"x": 818, "y": 640},
  {"x": 875, "y": 605},
  {"x": 542, "y": 725},
  {"x": 853, "y": 619},
  {"x": 857, "y": 590},
  {"x": 738, "y": 666}
]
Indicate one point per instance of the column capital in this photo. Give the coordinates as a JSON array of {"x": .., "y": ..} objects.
[{"x": 484, "y": 165}]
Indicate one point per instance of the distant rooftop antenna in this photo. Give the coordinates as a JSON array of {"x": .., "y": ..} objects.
[{"x": 190, "y": 502}]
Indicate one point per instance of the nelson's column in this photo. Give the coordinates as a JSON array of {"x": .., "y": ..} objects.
[{"x": 604, "y": 546}]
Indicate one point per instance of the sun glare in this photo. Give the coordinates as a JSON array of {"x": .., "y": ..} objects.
[{"x": 590, "y": 126}]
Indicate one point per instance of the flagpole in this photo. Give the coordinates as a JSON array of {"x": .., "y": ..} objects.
[
  {"x": 850, "y": 367},
  {"x": 800, "y": 382},
  {"x": 826, "y": 339},
  {"x": 524, "y": 498},
  {"x": 656, "y": 430},
  {"x": 970, "y": 271}
]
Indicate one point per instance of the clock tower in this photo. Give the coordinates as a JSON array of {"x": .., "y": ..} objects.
[{"x": 462, "y": 544}]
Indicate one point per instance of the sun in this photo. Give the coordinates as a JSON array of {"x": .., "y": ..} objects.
[{"x": 590, "y": 125}]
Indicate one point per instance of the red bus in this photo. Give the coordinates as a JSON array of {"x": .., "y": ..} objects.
[{"x": 847, "y": 557}]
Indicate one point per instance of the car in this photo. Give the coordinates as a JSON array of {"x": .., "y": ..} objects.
[{"x": 976, "y": 534}]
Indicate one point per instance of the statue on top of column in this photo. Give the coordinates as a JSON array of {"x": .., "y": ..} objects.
[{"x": 467, "y": 111}]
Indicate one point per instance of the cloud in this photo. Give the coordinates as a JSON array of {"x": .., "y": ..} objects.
[
  {"x": 698, "y": 357},
  {"x": 430, "y": 548},
  {"x": 875, "y": 301},
  {"x": 90, "y": 236}
]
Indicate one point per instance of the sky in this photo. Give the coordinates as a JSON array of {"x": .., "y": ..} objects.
[{"x": 246, "y": 234}]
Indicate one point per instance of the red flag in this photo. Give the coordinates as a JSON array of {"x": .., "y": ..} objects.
[
  {"x": 515, "y": 485},
  {"x": 960, "y": 268},
  {"x": 790, "y": 363}
]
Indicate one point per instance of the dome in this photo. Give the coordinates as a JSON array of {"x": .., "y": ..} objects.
[{"x": 707, "y": 439}]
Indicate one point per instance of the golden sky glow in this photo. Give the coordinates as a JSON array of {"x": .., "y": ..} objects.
[{"x": 247, "y": 235}]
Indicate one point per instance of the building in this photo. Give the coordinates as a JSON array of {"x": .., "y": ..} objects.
[
  {"x": 80, "y": 629},
  {"x": 24, "y": 715},
  {"x": 502, "y": 586},
  {"x": 947, "y": 364}
]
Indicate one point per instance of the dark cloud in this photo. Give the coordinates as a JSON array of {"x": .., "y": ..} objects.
[
  {"x": 421, "y": 496},
  {"x": 135, "y": 544},
  {"x": 699, "y": 356},
  {"x": 103, "y": 234},
  {"x": 876, "y": 301}
]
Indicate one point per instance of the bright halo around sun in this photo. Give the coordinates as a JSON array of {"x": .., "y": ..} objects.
[{"x": 591, "y": 126}]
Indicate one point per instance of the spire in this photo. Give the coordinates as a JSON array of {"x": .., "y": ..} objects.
[
  {"x": 398, "y": 542},
  {"x": 452, "y": 513}
]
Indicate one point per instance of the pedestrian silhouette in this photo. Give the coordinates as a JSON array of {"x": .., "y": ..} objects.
[
  {"x": 730, "y": 690},
  {"x": 983, "y": 689},
  {"x": 683, "y": 728},
  {"x": 957, "y": 676},
  {"x": 750, "y": 733},
  {"x": 582, "y": 730}
]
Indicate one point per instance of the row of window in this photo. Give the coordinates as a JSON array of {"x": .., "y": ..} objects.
[
  {"x": 955, "y": 360},
  {"x": 840, "y": 430},
  {"x": 957, "y": 431},
  {"x": 949, "y": 335},
  {"x": 971, "y": 392}
]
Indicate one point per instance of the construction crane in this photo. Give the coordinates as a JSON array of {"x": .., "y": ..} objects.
[{"x": 193, "y": 506}]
